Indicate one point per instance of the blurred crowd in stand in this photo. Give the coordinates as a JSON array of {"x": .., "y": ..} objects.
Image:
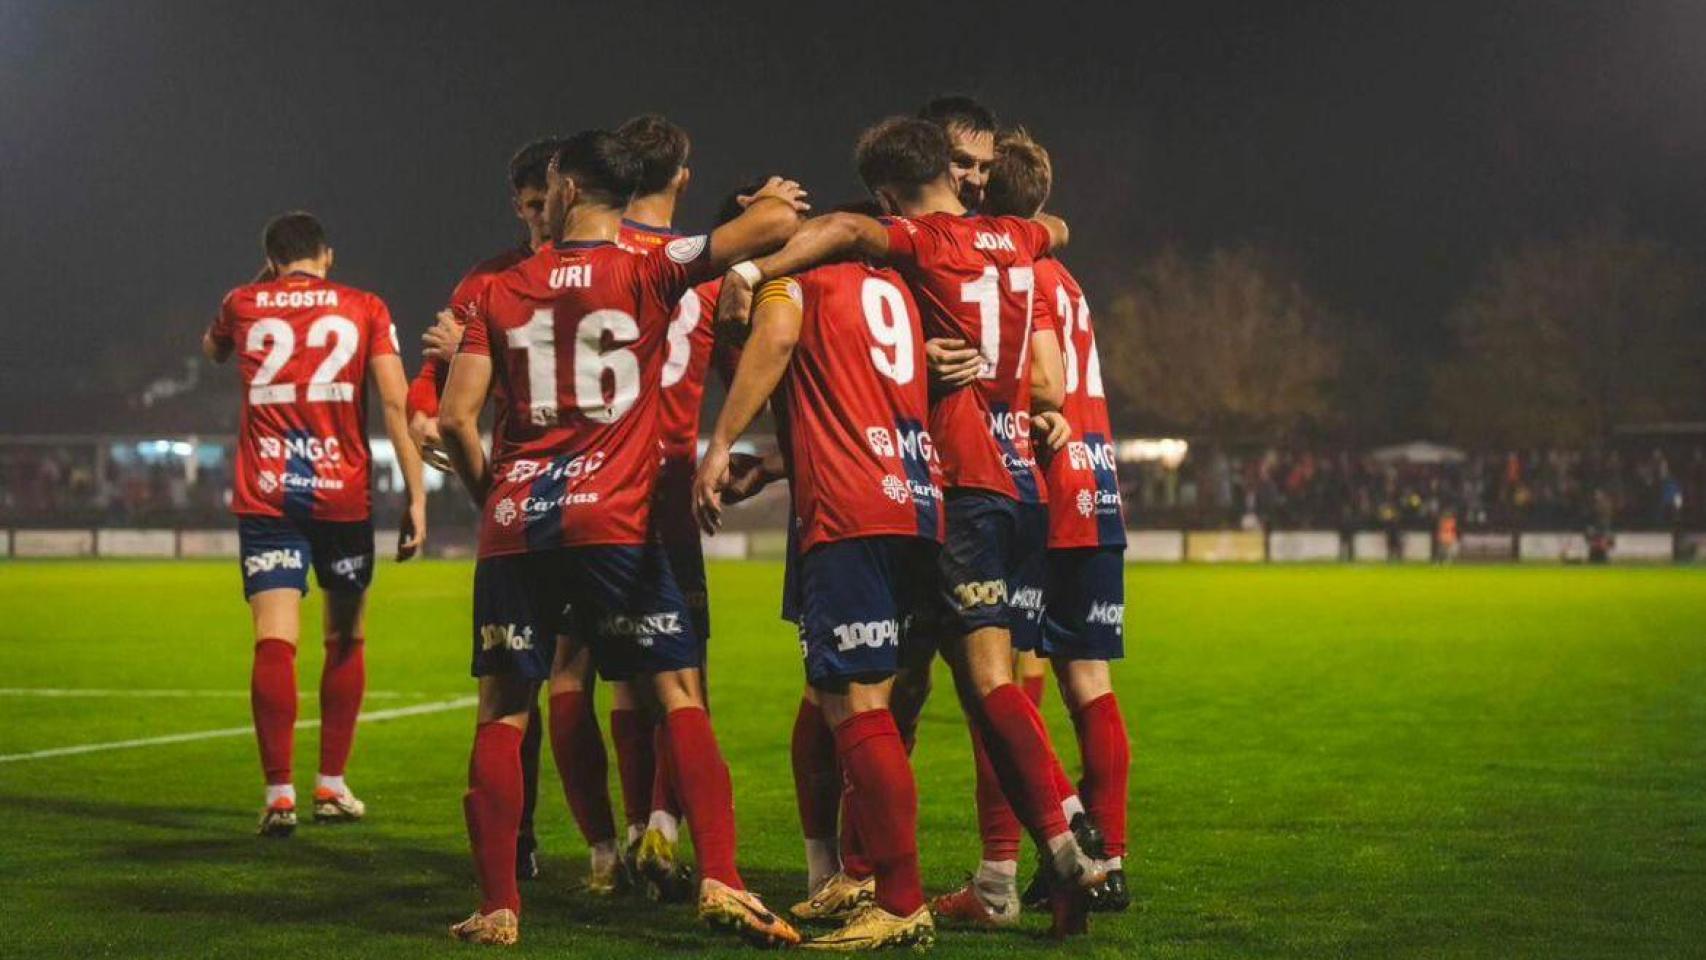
[{"x": 178, "y": 484}]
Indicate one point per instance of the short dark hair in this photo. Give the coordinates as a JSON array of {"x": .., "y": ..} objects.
[
  {"x": 601, "y": 166},
  {"x": 1020, "y": 178},
  {"x": 293, "y": 236},
  {"x": 527, "y": 167},
  {"x": 901, "y": 152},
  {"x": 731, "y": 206},
  {"x": 958, "y": 110},
  {"x": 660, "y": 146}
]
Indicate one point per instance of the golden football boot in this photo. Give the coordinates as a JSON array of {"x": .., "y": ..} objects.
[
  {"x": 837, "y": 898},
  {"x": 500, "y": 928},
  {"x": 874, "y": 928},
  {"x": 721, "y": 905}
]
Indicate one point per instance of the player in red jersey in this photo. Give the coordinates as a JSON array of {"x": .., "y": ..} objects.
[
  {"x": 302, "y": 495},
  {"x": 569, "y": 341},
  {"x": 527, "y": 201},
  {"x": 970, "y": 127},
  {"x": 1084, "y": 586},
  {"x": 966, "y": 272},
  {"x": 866, "y": 487}
]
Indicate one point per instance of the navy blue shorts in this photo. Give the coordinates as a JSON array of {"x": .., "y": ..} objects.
[
  {"x": 1025, "y": 583},
  {"x": 858, "y": 598},
  {"x": 276, "y": 552},
  {"x": 620, "y": 600},
  {"x": 1084, "y": 604},
  {"x": 791, "y": 574},
  {"x": 989, "y": 543},
  {"x": 673, "y": 524}
]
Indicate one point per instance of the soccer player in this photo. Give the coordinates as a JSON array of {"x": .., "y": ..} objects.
[
  {"x": 569, "y": 343},
  {"x": 527, "y": 200},
  {"x": 1084, "y": 587},
  {"x": 866, "y": 487},
  {"x": 967, "y": 273},
  {"x": 970, "y": 127},
  {"x": 302, "y": 495}
]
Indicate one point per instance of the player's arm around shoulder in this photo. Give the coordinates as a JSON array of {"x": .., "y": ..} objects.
[
  {"x": 836, "y": 236},
  {"x": 776, "y": 320}
]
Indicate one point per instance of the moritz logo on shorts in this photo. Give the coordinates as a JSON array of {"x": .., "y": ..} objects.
[
  {"x": 494, "y": 636},
  {"x": 642, "y": 627},
  {"x": 1107, "y": 614},
  {"x": 272, "y": 560}
]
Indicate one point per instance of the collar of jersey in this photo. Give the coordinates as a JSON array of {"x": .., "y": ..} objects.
[
  {"x": 648, "y": 228},
  {"x": 580, "y": 244}
]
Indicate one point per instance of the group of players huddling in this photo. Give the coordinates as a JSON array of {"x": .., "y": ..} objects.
[{"x": 910, "y": 349}]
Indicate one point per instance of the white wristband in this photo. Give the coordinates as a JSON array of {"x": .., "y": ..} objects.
[{"x": 749, "y": 272}]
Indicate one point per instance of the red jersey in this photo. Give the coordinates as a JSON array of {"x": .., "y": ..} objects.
[
  {"x": 576, "y": 340},
  {"x": 1083, "y": 488},
  {"x": 974, "y": 279},
  {"x": 429, "y": 383},
  {"x": 690, "y": 347},
  {"x": 862, "y": 463},
  {"x": 303, "y": 345}
]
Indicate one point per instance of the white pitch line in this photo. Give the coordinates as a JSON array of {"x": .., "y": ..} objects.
[
  {"x": 96, "y": 692},
  {"x": 392, "y": 714}
]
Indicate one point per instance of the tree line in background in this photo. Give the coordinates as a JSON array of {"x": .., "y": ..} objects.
[{"x": 1559, "y": 343}]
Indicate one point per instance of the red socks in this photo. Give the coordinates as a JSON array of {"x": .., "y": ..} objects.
[
  {"x": 272, "y": 699},
  {"x": 492, "y": 807},
  {"x": 582, "y": 764},
  {"x": 665, "y": 797},
  {"x": 997, "y": 825},
  {"x": 342, "y": 681},
  {"x": 697, "y": 767},
  {"x": 1021, "y": 757},
  {"x": 817, "y": 782},
  {"x": 1033, "y": 686},
  {"x": 636, "y": 763},
  {"x": 1107, "y": 767},
  {"x": 883, "y": 801}
]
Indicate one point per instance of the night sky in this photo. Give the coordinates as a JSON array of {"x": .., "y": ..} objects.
[{"x": 1386, "y": 150}]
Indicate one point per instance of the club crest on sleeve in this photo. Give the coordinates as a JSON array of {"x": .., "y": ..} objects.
[{"x": 685, "y": 249}]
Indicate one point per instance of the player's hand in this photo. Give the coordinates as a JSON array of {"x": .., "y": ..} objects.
[
  {"x": 442, "y": 338},
  {"x": 708, "y": 485},
  {"x": 748, "y": 474},
  {"x": 412, "y": 534},
  {"x": 952, "y": 362},
  {"x": 1051, "y": 428},
  {"x": 779, "y": 189},
  {"x": 423, "y": 430},
  {"x": 734, "y": 301}
]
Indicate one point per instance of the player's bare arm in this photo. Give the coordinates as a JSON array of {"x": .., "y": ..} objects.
[
  {"x": 775, "y": 332},
  {"x": 459, "y": 422},
  {"x": 214, "y": 348},
  {"x": 393, "y": 387},
  {"x": 768, "y": 221},
  {"x": 952, "y": 362},
  {"x": 440, "y": 340},
  {"x": 1058, "y": 234},
  {"x": 836, "y": 236},
  {"x": 1048, "y": 390}
]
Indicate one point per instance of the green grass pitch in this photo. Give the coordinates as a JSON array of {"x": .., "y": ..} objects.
[{"x": 1330, "y": 761}]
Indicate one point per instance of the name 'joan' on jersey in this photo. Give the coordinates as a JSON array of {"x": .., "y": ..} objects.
[
  {"x": 862, "y": 460},
  {"x": 576, "y": 356},
  {"x": 974, "y": 279},
  {"x": 303, "y": 345}
]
